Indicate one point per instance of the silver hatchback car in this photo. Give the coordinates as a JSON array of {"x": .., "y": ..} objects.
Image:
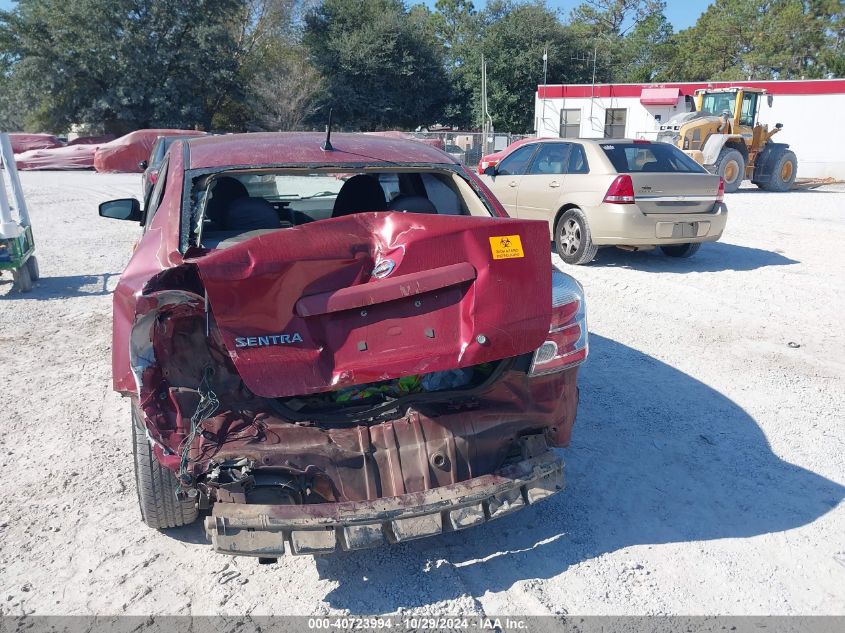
[{"x": 633, "y": 194}]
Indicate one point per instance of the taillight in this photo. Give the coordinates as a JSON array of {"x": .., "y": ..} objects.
[
  {"x": 720, "y": 195},
  {"x": 621, "y": 190},
  {"x": 567, "y": 342},
  {"x": 153, "y": 177}
]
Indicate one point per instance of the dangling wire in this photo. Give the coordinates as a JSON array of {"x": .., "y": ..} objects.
[{"x": 206, "y": 408}]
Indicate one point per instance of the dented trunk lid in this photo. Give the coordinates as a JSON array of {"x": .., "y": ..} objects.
[{"x": 377, "y": 296}]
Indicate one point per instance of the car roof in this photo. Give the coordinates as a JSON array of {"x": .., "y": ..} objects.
[
  {"x": 593, "y": 141},
  {"x": 295, "y": 148}
]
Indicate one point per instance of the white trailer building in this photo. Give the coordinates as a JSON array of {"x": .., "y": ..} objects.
[{"x": 811, "y": 112}]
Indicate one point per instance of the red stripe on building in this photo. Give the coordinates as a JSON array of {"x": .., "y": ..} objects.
[{"x": 608, "y": 91}]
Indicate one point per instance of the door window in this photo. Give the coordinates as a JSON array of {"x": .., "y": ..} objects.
[
  {"x": 570, "y": 123},
  {"x": 614, "y": 122},
  {"x": 156, "y": 194},
  {"x": 577, "y": 160},
  {"x": 515, "y": 163},
  {"x": 749, "y": 109},
  {"x": 550, "y": 159}
]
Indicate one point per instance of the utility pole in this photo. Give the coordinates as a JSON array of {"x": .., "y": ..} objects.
[
  {"x": 486, "y": 119},
  {"x": 545, "y": 81}
]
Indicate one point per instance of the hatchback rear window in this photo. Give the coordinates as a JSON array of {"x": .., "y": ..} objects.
[{"x": 649, "y": 157}]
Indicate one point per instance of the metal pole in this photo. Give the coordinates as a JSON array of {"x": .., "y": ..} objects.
[
  {"x": 14, "y": 180},
  {"x": 545, "y": 82},
  {"x": 593, "y": 89}
]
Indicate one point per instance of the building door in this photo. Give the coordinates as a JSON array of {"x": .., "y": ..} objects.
[{"x": 614, "y": 122}]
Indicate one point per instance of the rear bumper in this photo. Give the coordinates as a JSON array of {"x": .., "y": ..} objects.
[
  {"x": 271, "y": 530},
  {"x": 627, "y": 225}
]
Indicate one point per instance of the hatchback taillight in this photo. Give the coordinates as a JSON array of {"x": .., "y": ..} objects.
[
  {"x": 621, "y": 190},
  {"x": 567, "y": 342},
  {"x": 720, "y": 195}
]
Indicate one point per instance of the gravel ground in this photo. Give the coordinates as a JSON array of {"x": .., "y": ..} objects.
[{"x": 705, "y": 475}]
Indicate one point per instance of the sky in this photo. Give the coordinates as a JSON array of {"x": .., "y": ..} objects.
[{"x": 681, "y": 13}]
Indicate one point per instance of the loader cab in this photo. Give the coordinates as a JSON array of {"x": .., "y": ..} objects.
[{"x": 741, "y": 104}]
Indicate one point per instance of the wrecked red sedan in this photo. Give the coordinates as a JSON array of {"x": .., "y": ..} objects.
[{"x": 332, "y": 346}]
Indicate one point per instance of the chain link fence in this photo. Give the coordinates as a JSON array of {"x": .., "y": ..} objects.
[{"x": 467, "y": 147}]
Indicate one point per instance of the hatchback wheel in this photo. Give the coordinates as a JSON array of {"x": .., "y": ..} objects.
[
  {"x": 681, "y": 250},
  {"x": 572, "y": 238}
]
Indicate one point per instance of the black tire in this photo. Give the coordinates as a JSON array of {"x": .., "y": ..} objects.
[
  {"x": 681, "y": 250},
  {"x": 572, "y": 238},
  {"x": 784, "y": 170},
  {"x": 22, "y": 279},
  {"x": 156, "y": 485},
  {"x": 34, "y": 273},
  {"x": 731, "y": 167}
]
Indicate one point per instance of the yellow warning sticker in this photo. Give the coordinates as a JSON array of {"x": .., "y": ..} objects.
[{"x": 506, "y": 247}]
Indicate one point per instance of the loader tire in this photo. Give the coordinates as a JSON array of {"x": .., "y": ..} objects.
[
  {"x": 156, "y": 485},
  {"x": 22, "y": 279},
  {"x": 784, "y": 170},
  {"x": 731, "y": 167}
]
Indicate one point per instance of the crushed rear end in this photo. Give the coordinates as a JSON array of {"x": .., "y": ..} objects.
[{"x": 362, "y": 380}]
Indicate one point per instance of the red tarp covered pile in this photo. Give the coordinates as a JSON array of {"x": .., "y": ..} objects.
[
  {"x": 22, "y": 142},
  {"x": 124, "y": 154},
  {"x": 70, "y": 157}
]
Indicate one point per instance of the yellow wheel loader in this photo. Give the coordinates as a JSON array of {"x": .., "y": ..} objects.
[{"x": 724, "y": 136}]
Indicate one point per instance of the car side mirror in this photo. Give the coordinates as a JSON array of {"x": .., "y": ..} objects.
[
  {"x": 778, "y": 125},
  {"x": 142, "y": 165},
  {"x": 491, "y": 171},
  {"x": 122, "y": 209}
]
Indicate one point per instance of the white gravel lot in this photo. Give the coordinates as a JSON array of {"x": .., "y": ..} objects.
[{"x": 706, "y": 473}]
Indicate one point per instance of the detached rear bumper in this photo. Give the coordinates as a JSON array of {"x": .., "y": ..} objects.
[{"x": 269, "y": 530}]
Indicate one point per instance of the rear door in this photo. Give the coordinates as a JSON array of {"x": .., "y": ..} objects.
[
  {"x": 375, "y": 296},
  {"x": 509, "y": 174},
  {"x": 665, "y": 179},
  {"x": 541, "y": 186}
]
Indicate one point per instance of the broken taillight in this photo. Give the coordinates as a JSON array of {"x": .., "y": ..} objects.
[
  {"x": 621, "y": 190},
  {"x": 567, "y": 342}
]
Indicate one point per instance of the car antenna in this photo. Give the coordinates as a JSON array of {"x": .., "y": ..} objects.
[{"x": 327, "y": 144}]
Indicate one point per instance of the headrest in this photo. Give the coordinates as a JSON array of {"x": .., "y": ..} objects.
[{"x": 412, "y": 204}]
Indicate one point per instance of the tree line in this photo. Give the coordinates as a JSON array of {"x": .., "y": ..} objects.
[{"x": 225, "y": 65}]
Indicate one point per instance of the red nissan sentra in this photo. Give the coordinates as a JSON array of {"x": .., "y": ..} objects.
[{"x": 336, "y": 346}]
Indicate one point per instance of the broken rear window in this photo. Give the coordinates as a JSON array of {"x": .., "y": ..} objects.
[{"x": 234, "y": 205}]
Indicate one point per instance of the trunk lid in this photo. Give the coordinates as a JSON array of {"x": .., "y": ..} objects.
[
  {"x": 377, "y": 296},
  {"x": 675, "y": 192}
]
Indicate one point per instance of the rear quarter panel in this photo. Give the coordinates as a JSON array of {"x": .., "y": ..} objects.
[{"x": 157, "y": 250}]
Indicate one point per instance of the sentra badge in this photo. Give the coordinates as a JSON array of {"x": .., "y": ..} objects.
[{"x": 266, "y": 341}]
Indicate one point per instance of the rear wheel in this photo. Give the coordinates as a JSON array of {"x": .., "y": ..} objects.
[
  {"x": 731, "y": 167},
  {"x": 681, "y": 250},
  {"x": 34, "y": 273},
  {"x": 572, "y": 238},
  {"x": 22, "y": 278},
  {"x": 156, "y": 485},
  {"x": 784, "y": 170}
]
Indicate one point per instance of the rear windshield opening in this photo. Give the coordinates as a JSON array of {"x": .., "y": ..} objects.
[
  {"x": 232, "y": 206},
  {"x": 649, "y": 157}
]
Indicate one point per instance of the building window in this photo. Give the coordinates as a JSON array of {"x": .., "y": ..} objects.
[
  {"x": 614, "y": 122},
  {"x": 570, "y": 123}
]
